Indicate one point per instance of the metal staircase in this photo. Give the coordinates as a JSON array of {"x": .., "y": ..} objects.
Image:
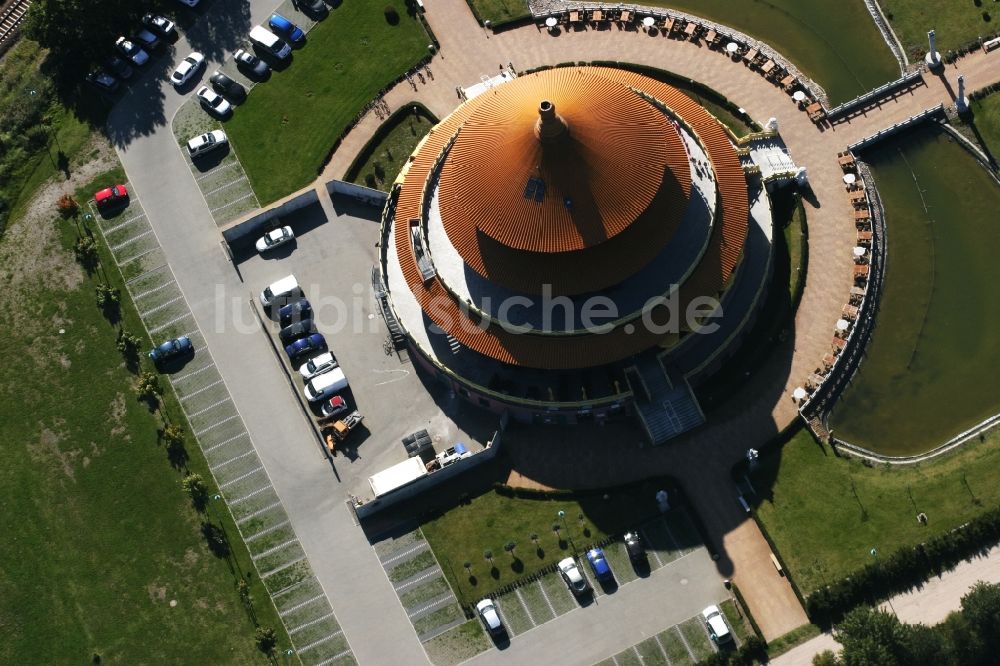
[{"x": 665, "y": 408}]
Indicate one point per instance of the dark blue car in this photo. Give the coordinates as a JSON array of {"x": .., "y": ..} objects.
[
  {"x": 599, "y": 564},
  {"x": 285, "y": 27},
  {"x": 295, "y": 311},
  {"x": 312, "y": 343},
  {"x": 171, "y": 348}
]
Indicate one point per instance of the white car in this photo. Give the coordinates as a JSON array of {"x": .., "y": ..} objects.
[
  {"x": 213, "y": 102},
  {"x": 203, "y": 143},
  {"x": 488, "y": 614},
  {"x": 130, "y": 50},
  {"x": 717, "y": 626},
  {"x": 274, "y": 238},
  {"x": 317, "y": 365},
  {"x": 573, "y": 577},
  {"x": 187, "y": 68}
]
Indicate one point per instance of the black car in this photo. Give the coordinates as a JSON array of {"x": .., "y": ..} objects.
[
  {"x": 295, "y": 311},
  {"x": 313, "y": 7},
  {"x": 102, "y": 80},
  {"x": 299, "y": 329},
  {"x": 635, "y": 548},
  {"x": 118, "y": 67},
  {"x": 227, "y": 87},
  {"x": 251, "y": 65}
]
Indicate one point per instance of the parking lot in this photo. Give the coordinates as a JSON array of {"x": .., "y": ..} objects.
[
  {"x": 332, "y": 258},
  {"x": 219, "y": 429}
]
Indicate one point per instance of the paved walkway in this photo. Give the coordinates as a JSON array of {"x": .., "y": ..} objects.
[
  {"x": 928, "y": 605},
  {"x": 702, "y": 459}
]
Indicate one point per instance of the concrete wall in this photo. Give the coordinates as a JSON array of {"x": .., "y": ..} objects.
[
  {"x": 250, "y": 230},
  {"x": 425, "y": 483},
  {"x": 367, "y": 194}
]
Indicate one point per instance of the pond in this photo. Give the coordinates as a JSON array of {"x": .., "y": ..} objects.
[{"x": 930, "y": 369}]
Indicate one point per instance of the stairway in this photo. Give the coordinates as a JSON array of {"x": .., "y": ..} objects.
[{"x": 665, "y": 408}]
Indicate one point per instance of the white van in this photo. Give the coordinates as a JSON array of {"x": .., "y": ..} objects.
[
  {"x": 286, "y": 286},
  {"x": 326, "y": 385},
  {"x": 270, "y": 42}
]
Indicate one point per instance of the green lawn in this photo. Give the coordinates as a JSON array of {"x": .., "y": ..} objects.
[
  {"x": 379, "y": 164},
  {"x": 955, "y": 23},
  {"x": 491, "y": 520},
  {"x": 102, "y": 552},
  {"x": 986, "y": 120},
  {"x": 499, "y": 11},
  {"x": 287, "y": 127},
  {"x": 458, "y": 644},
  {"x": 824, "y": 513}
]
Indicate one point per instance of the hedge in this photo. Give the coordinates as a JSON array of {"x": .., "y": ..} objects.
[{"x": 387, "y": 125}]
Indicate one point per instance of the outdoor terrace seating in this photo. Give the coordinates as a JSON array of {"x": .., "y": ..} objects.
[
  {"x": 838, "y": 343},
  {"x": 788, "y": 83},
  {"x": 750, "y": 56},
  {"x": 712, "y": 38},
  {"x": 625, "y": 17},
  {"x": 845, "y": 160},
  {"x": 574, "y": 16},
  {"x": 691, "y": 31},
  {"x": 850, "y": 312},
  {"x": 862, "y": 214},
  {"x": 865, "y": 237}
]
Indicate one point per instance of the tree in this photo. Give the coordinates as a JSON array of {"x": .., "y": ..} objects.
[
  {"x": 216, "y": 539},
  {"x": 85, "y": 251},
  {"x": 174, "y": 439},
  {"x": 128, "y": 344},
  {"x": 196, "y": 489},
  {"x": 147, "y": 386},
  {"x": 108, "y": 300},
  {"x": 509, "y": 547},
  {"x": 67, "y": 206},
  {"x": 468, "y": 567},
  {"x": 266, "y": 640},
  {"x": 872, "y": 638},
  {"x": 981, "y": 608},
  {"x": 84, "y": 27}
]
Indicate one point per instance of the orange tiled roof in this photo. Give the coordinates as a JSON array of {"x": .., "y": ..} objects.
[{"x": 578, "y": 351}]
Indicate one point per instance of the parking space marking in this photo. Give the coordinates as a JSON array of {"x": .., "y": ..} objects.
[
  {"x": 548, "y": 601},
  {"x": 143, "y": 294},
  {"x": 419, "y": 546},
  {"x": 145, "y": 273},
  {"x": 192, "y": 374},
  {"x": 283, "y": 567},
  {"x": 256, "y": 513},
  {"x": 320, "y": 641},
  {"x": 241, "y": 179},
  {"x": 124, "y": 224},
  {"x": 228, "y": 441},
  {"x": 527, "y": 611},
  {"x": 210, "y": 407},
  {"x": 232, "y": 460},
  {"x": 684, "y": 640},
  {"x": 115, "y": 248},
  {"x": 670, "y": 534},
  {"x": 434, "y": 572},
  {"x": 253, "y": 494},
  {"x": 656, "y": 555},
  {"x": 216, "y": 170},
  {"x": 310, "y": 623},
  {"x": 241, "y": 477},
  {"x": 216, "y": 425},
  {"x": 335, "y": 657},
  {"x": 663, "y": 649},
  {"x": 234, "y": 201},
  {"x": 614, "y": 659},
  {"x": 171, "y": 322},
  {"x": 303, "y": 604},
  {"x": 274, "y": 549},
  {"x": 202, "y": 390},
  {"x": 161, "y": 306},
  {"x": 266, "y": 530},
  {"x": 122, "y": 262},
  {"x": 444, "y": 600}
]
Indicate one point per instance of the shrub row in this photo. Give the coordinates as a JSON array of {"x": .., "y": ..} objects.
[
  {"x": 904, "y": 568},
  {"x": 984, "y": 92},
  {"x": 752, "y": 652},
  {"x": 954, "y": 54},
  {"x": 387, "y": 125}
]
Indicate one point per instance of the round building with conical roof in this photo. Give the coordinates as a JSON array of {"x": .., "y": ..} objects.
[{"x": 575, "y": 243}]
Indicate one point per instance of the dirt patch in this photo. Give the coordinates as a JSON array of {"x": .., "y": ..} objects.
[
  {"x": 46, "y": 450},
  {"x": 116, "y": 416},
  {"x": 156, "y": 592},
  {"x": 190, "y": 557}
]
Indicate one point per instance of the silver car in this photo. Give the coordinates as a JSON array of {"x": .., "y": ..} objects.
[
  {"x": 274, "y": 238},
  {"x": 491, "y": 618},
  {"x": 213, "y": 102}
]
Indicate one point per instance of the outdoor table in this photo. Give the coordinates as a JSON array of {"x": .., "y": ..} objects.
[
  {"x": 859, "y": 251},
  {"x": 750, "y": 55},
  {"x": 858, "y": 195},
  {"x": 768, "y": 66},
  {"x": 691, "y": 27},
  {"x": 864, "y": 235},
  {"x": 843, "y": 324},
  {"x": 710, "y": 37},
  {"x": 799, "y": 394},
  {"x": 861, "y": 215},
  {"x": 849, "y": 178},
  {"x": 668, "y": 25},
  {"x": 814, "y": 107},
  {"x": 626, "y": 16},
  {"x": 851, "y": 311},
  {"x": 574, "y": 16},
  {"x": 829, "y": 360},
  {"x": 648, "y": 21},
  {"x": 846, "y": 159},
  {"x": 838, "y": 343},
  {"x": 861, "y": 270},
  {"x": 732, "y": 48},
  {"x": 551, "y": 22},
  {"x": 597, "y": 15},
  {"x": 789, "y": 80},
  {"x": 799, "y": 96}
]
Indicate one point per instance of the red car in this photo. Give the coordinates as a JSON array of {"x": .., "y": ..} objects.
[{"x": 110, "y": 196}]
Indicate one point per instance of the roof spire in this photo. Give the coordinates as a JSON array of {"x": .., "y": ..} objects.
[{"x": 550, "y": 125}]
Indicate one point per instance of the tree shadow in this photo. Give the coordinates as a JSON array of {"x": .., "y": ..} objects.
[
  {"x": 517, "y": 566},
  {"x": 540, "y": 553},
  {"x": 495, "y": 573}
]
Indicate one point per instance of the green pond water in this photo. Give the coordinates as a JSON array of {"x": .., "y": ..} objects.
[
  {"x": 834, "y": 42},
  {"x": 931, "y": 369}
]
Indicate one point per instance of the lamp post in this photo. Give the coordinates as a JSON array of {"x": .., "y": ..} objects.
[
  {"x": 562, "y": 518},
  {"x": 888, "y": 599}
]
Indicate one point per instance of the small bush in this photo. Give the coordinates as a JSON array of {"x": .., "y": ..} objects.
[
  {"x": 195, "y": 487},
  {"x": 391, "y": 15},
  {"x": 67, "y": 206},
  {"x": 265, "y": 639}
]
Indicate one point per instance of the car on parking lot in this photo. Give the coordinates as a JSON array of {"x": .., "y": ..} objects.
[
  {"x": 599, "y": 564},
  {"x": 147, "y": 39},
  {"x": 275, "y": 238},
  {"x": 487, "y": 611},
  {"x": 187, "y": 68},
  {"x": 313, "y": 7},
  {"x": 102, "y": 80},
  {"x": 718, "y": 628},
  {"x": 295, "y": 311},
  {"x": 171, "y": 348},
  {"x": 573, "y": 577},
  {"x": 117, "y": 66},
  {"x": 293, "y": 332},
  {"x": 325, "y": 386},
  {"x": 334, "y": 406},
  {"x": 227, "y": 86},
  {"x": 634, "y": 547},
  {"x": 283, "y": 26},
  {"x": 189, "y": 3},
  {"x": 131, "y": 50},
  {"x": 317, "y": 365},
  {"x": 203, "y": 143},
  {"x": 111, "y": 196},
  {"x": 213, "y": 102},
  {"x": 251, "y": 64},
  {"x": 314, "y": 342},
  {"x": 159, "y": 24}
]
